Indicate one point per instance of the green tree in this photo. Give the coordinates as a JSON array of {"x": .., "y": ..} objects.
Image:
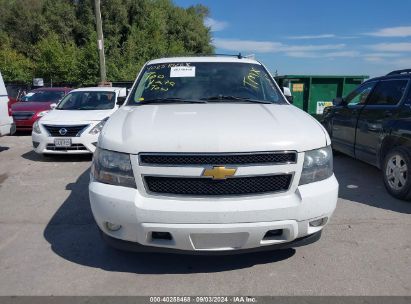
[
  {"x": 88, "y": 64},
  {"x": 14, "y": 65},
  {"x": 60, "y": 18},
  {"x": 57, "y": 38},
  {"x": 55, "y": 60},
  {"x": 25, "y": 24}
]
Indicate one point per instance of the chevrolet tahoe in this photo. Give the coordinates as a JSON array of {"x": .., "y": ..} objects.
[{"x": 208, "y": 156}]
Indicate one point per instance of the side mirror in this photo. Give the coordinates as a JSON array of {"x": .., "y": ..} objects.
[
  {"x": 288, "y": 95},
  {"x": 121, "y": 100},
  {"x": 339, "y": 101},
  {"x": 53, "y": 106}
]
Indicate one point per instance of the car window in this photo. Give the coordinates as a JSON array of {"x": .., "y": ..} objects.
[
  {"x": 201, "y": 80},
  {"x": 13, "y": 91},
  {"x": 88, "y": 100},
  {"x": 359, "y": 96},
  {"x": 388, "y": 92},
  {"x": 407, "y": 100},
  {"x": 43, "y": 96}
]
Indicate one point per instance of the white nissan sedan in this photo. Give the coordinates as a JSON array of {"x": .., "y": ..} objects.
[{"x": 74, "y": 124}]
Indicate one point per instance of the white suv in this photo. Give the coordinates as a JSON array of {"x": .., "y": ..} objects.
[{"x": 207, "y": 156}]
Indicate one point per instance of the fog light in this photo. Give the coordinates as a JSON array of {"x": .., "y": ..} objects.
[
  {"x": 155, "y": 235},
  {"x": 273, "y": 234},
  {"x": 319, "y": 222},
  {"x": 112, "y": 227}
]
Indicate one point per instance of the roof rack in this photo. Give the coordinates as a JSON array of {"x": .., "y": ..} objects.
[
  {"x": 239, "y": 56},
  {"x": 399, "y": 72}
]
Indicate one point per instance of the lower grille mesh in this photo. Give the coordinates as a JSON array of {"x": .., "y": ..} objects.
[
  {"x": 71, "y": 148},
  {"x": 210, "y": 187},
  {"x": 22, "y": 115}
]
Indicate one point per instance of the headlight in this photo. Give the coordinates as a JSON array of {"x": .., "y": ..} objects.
[
  {"x": 42, "y": 113},
  {"x": 318, "y": 165},
  {"x": 98, "y": 127},
  {"x": 112, "y": 168},
  {"x": 36, "y": 127}
]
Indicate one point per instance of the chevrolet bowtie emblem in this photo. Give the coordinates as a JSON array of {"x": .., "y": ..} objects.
[{"x": 219, "y": 172}]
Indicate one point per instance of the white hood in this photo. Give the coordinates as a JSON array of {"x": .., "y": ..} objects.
[
  {"x": 74, "y": 116},
  {"x": 211, "y": 128}
]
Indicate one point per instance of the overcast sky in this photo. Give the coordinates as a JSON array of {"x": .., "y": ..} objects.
[{"x": 359, "y": 37}]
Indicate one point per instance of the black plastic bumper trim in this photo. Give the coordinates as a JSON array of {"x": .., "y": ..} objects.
[{"x": 137, "y": 247}]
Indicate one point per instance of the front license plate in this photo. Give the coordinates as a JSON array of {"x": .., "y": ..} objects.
[{"x": 62, "y": 142}]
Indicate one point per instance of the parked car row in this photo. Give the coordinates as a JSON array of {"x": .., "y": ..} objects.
[
  {"x": 74, "y": 124},
  {"x": 207, "y": 154},
  {"x": 74, "y": 117},
  {"x": 34, "y": 105}
]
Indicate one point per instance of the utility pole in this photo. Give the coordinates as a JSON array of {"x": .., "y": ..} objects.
[{"x": 100, "y": 42}]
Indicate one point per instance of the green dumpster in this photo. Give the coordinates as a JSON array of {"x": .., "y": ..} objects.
[{"x": 312, "y": 93}]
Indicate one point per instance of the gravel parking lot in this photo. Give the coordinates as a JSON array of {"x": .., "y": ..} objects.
[{"x": 49, "y": 243}]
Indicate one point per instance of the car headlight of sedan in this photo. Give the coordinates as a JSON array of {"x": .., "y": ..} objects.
[
  {"x": 318, "y": 165},
  {"x": 98, "y": 127},
  {"x": 42, "y": 113},
  {"x": 112, "y": 168},
  {"x": 36, "y": 127}
]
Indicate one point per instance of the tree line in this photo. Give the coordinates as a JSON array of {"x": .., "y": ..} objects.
[{"x": 56, "y": 39}]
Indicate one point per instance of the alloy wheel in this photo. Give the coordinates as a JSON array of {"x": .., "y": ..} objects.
[{"x": 396, "y": 172}]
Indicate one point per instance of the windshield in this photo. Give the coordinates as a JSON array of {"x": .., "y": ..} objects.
[
  {"x": 216, "y": 81},
  {"x": 43, "y": 96},
  {"x": 87, "y": 100}
]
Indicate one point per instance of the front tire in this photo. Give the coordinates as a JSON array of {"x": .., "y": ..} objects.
[{"x": 396, "y": 169}]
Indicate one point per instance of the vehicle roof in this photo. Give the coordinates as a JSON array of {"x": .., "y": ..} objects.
[
  {"x": 394, "y": 76},
  {"x": 323, "y": 76},
  {"x": 99, "y": 89},
  {"x": 204, "y": 59},
  {"x": 51, "y": 89}
]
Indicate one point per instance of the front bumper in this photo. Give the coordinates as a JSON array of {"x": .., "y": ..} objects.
[
  {"x": 137, "y": 247},
  {"x": 26, "y": 124},
  {"x": 212, "y": 224},
  {"x": 84, "y": 144}
]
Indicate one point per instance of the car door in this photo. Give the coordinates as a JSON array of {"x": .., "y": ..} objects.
[
  {"x": 344, "y": 121},
  {"x": 381, "y": 110}
]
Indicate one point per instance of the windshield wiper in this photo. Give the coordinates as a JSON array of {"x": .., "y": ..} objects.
[
  {"x": 169, "y": 100},
  {"x": 229, "y": 98}
]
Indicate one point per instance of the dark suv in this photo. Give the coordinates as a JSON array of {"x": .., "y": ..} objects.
[{"x": 373, "y": 124}]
